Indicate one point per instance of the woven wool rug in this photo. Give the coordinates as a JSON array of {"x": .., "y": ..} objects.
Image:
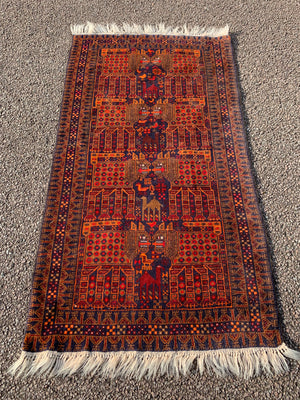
[{"x": 152, "y": 254}]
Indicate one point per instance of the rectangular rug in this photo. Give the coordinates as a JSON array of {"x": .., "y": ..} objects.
[{"x": 152, "y": 256}]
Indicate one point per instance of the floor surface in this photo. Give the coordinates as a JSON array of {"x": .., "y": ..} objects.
[{"x": 35, "y": 41}]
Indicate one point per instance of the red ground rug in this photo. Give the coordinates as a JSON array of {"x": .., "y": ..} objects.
[{"x": 152, "y": 255}]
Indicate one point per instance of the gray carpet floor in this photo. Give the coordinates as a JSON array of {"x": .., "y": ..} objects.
[{"x": 35, "y": 43}]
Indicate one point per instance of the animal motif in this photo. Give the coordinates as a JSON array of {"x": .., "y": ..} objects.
[
  {"x": 153, "y": 205},
  {"x": 146, "y": 262},
  {"x": 140, "y": 188},
  {"x": 147, "y": 281}
]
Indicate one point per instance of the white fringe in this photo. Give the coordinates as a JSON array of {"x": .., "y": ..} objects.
[
  {"x": 244, "y": 363},
  {"x": 134, "y": 29}
]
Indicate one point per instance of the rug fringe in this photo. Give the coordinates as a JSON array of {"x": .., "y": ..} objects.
[
  {"x": 134, "y": 29},
  {"x": 244, "y": 363}
]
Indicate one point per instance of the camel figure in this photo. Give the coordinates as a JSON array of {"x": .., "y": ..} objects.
[
  {"x": 152, "y": 205},
  {"x": 147, "y": 280}
]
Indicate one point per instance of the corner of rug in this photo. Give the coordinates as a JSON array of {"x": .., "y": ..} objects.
[
  {"x": 243, "y": 363},
  {"x": 91, "y": 28}
]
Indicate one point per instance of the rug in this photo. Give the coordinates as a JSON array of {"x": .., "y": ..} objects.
[{"x": 152, "y": 257}]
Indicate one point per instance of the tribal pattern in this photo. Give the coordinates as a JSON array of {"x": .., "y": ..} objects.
[{"x": 152, "y": 238}]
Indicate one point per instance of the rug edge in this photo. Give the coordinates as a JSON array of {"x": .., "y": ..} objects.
[
  {"x": 91, "y": 28},
  {"x": 243, "y": 363}
]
